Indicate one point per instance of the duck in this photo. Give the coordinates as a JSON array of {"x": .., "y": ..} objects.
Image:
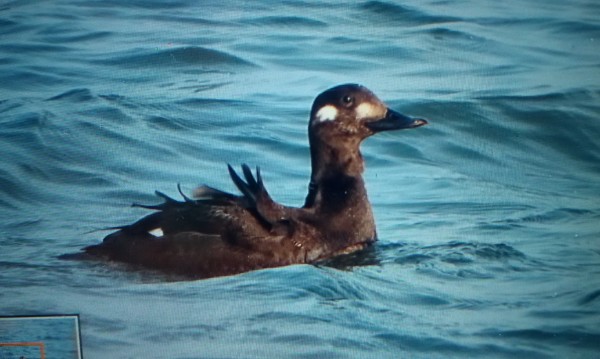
[{"x": 216, "y": 233}]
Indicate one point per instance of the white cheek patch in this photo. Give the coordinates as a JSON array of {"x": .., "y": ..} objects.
[
  {"x": 327, "y": 113},
  {"x": 367, "y": 110}
]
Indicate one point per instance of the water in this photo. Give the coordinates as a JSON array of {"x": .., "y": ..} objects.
[
  {"x": 489, "y": 218},
  {"x": 50, "y": 337}
]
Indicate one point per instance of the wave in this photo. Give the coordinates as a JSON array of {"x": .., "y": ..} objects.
[{"x": 177, "y": 57}]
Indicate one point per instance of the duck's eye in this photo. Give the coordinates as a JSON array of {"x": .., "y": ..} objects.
[{"x": 347, "y": 100}]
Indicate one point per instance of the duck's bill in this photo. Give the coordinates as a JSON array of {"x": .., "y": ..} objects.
[{"x": 395, "y": 121}]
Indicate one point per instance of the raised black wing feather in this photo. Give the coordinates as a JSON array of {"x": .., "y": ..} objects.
[{"x": 257, "y": 196}]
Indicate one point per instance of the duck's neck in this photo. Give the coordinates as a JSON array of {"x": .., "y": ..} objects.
[
  {"x": 337, "y": 194},
  {"x": 336, "y": 167}
]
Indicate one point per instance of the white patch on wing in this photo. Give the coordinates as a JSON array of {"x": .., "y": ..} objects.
[
  {"x": 157, "y": 232},
  {"x": 327, "y": 113},
  {"x": 366, "y": 110}
]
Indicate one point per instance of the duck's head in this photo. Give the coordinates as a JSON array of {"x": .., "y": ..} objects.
[{"x": 351, "y": 113}]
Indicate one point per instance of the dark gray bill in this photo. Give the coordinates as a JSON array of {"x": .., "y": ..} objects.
[{"x": 395, "y": 121}]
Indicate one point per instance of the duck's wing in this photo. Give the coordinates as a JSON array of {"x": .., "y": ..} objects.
[
  {"x": 204, "y": 215},
  {"x": 216, "y": 234},
  {"x": 214, "y": 231},
  {"x": 191, "y": 254},
  {"x": 213, "y": 211},
  {"x": 257, "y": 197},
  {"x": 239, "y": 220},
  {"x": 197, "y": 235}
]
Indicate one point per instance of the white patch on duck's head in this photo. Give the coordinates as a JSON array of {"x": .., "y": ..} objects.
[
  {"x": 368, "y": 110},
  {"x": 326, "y": 113}
]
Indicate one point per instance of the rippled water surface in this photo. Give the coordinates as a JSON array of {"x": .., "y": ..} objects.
[{"x": 488, "y": 218}]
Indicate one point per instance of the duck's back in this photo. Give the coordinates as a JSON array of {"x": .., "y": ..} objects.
[{"x": 218, "y": 234}]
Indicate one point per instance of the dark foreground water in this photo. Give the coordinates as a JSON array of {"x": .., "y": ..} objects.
[{"x": 489, "y": 218}]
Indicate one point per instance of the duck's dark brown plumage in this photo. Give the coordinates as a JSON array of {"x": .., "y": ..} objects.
[{"x": 218, "y": 233}]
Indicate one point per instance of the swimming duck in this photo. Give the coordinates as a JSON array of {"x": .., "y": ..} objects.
[{"x": 216, "y": 233}]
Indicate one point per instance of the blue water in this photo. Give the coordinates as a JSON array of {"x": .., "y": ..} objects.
[
  {"x": 488, "y": 218},
  {"x": 58, "y": 335}
]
